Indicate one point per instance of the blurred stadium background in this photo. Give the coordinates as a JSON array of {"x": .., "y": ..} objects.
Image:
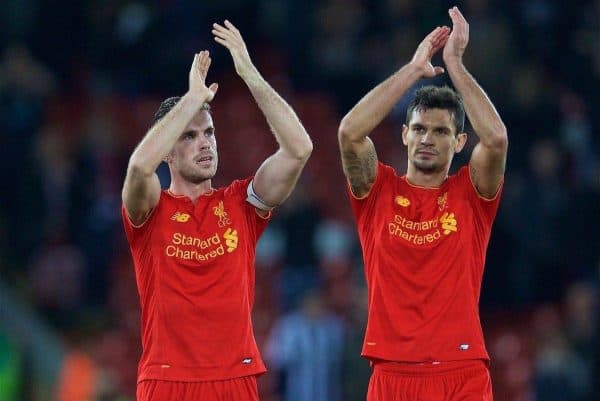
[{"x": 80, "y": 81}]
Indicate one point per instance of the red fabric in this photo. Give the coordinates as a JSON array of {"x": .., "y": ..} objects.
[
  {"x": 424, "y": 253},
  {"x": 194, "y": 268},
  {"x": 239, "y": 389},
  {"x": 448, "y": 381}
]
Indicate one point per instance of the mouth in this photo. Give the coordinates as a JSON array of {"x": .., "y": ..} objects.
[
  {"x": 426, "y": 153},
  {"x": 204, "y": 160}
]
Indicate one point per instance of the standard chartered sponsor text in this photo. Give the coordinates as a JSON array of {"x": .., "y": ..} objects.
[
  {"x": 202, "y": 245},
  {"x": 426, "y": 231}
]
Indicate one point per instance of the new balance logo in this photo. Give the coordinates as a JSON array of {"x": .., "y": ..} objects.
[
  {"x": 402, "y": 201},
  {"x": 180, "y": 217}
]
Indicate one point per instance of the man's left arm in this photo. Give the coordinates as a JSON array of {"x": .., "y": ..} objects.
[
  {"x": 488, "y": 160},
  {"x": 276, "y": 177}
]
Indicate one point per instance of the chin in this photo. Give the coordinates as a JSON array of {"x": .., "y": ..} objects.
[
  {"x": 198, "y": 178},
  {"x": 426, "y": 167}
]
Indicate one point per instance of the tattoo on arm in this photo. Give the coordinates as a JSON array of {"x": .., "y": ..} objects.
[
  {"x": 361, "y": 170},
  {"x": 474, "y": 177},
  {"x": 473, "y": 173}
]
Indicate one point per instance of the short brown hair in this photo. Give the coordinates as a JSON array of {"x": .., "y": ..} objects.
[
  {"x": 168, "y": 104},
  {"x": 438, "y": 97}
]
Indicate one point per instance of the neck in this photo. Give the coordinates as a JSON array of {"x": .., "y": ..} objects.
[
  {"x": 193, "y": 191},
  {"x": 421, "y": 178}
]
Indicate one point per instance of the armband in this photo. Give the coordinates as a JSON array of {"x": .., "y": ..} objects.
[{"x": 256, "y": 200}]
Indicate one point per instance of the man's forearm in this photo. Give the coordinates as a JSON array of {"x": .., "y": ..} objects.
[
  {"x": 282, "y": 119},
  {"x": 482, "y": 114},
  {"x": 161, "y": 138},
  {"x": 378, "y": 103}
]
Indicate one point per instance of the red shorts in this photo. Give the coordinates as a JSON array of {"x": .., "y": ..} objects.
[
  {"x": 444, "y": 381},
  {"x": 238, "y": 389}
]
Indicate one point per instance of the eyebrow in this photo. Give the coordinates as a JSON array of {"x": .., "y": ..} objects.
[{"x": 437, "y": 127}]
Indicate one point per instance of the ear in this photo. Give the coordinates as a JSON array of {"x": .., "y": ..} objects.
[
  {"x": 404, "y": 134},
  {"x": 168, "y": 158},
  {"x": 461, "y": 140}
]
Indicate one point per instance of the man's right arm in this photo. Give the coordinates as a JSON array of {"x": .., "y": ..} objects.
[
  {"x": 141, "y": 189},
  {"x": 359, "y": 158}
]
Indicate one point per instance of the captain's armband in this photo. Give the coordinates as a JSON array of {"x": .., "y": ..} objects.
[{"x": 255, "y": 200}]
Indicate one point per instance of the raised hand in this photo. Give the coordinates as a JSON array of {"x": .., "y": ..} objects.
[
  {"x": 458, "y": 39},
  {"x": 198, "y": 74},
  {"x": 427, "y": 48},
  {"x": 230, "y": 37}
]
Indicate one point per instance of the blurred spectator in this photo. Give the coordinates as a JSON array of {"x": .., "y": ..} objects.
[
  {"x": 298, "y": 220},
  {"x": 97, "y": 181},
  {"x": 538, "y": 205},
  {"x": 581, "y": 321},
  {"x": 24, "y": 76},
  {"x": 306, "y": 346},
  {"x": 510, "y": 341},
  {"x": 561, "y": 374},
  {"x": 335, "y": 45},
  {"x": 55, "y": 157},
  {"x": 333, "y": 241},
  {"x": 25, "y": 86},
  {"x": 356, "y": 371},
  {"x": 57, "y": 277},
  {"x": 78, "y": 378},
  {"x": 491, "y": 46},
  {"x": 586, "y": 35},
  {"x": 577, "y": 139},
  {"x": 11, "y": 365}
]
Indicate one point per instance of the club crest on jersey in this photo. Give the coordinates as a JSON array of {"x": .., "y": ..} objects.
[
  {"x": 180, "y": 217},
  {"x": 402, "y": 201},
  {"x": 442, "y": 201},
  {"x": 220, "y": 212}
]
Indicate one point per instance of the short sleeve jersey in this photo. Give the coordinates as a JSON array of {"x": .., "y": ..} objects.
[
  {"x": 424, "y": 254},
  {"x": 194, "y": 266}
]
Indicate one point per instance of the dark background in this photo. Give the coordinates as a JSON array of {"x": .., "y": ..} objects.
[{"x": 80, "y": 81}]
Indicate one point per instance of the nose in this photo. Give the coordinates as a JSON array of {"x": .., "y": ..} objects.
[
  {"x": 427, "y": 138},
  {"x": 203, "y": 142}
]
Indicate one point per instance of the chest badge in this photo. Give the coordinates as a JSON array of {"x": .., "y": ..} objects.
[
  {"x": 442, "y": 201},
  {"x": 220, "y": 212},
  {"x": 180, "y": 217},
  {"x": 402, "y": 201}
]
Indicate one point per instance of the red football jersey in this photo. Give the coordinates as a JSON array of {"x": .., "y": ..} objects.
[
  {"x": 194, "y": 266},
  {"x": 424, "y": 254}
]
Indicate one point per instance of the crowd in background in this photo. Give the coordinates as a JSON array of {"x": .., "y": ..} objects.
[{"x": 80, "y": 81}]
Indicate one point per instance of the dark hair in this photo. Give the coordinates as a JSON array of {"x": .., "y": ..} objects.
[
  {"x": 438, "y": 97},
  {"x": 168, "y": 104}
]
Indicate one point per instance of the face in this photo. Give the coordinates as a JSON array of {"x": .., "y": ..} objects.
[
  {"x": 431, "y": 140},
  {"x": 194, "y": 156}
]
